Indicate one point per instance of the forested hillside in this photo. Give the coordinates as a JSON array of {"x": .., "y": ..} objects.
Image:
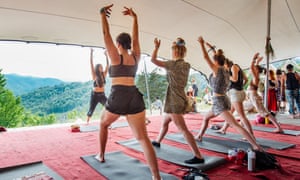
[
  {"x": 23, "y": 84},
  {"x": 57, "y": 99}
]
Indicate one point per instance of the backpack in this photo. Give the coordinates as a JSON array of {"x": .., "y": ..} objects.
[
  {"x": 195, "y": 174},
  {"x": 265, "y": 161}
]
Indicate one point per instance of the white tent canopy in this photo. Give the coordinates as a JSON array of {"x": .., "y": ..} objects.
[{"x": 239, "y": 27}]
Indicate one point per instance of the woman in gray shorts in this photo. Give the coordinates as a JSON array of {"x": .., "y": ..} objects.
[
  {"x": 219, "y": 82},
  {"x": 237, "y": 95}
]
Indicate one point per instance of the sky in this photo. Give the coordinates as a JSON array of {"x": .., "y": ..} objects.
[{"x": 67, "y": 63}]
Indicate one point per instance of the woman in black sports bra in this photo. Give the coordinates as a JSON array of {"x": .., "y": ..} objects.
[
  {"x": 125, "y": 99},
  {"x": 98, "y": 93}
]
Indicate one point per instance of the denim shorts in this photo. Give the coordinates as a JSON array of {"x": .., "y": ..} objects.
[{"x": 125, "y": 100}]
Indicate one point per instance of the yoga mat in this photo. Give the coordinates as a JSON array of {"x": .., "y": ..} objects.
[
  {"x": 89, "y": 128},
  {"x": 118, "y": 124},
  {"x": 285, "y": 131},
  {"x": 212, "y": 144},
  {"x": 19, "y": 171},
  {"x": 121, "y": 166},
  {"x": 176, "y": 155},
  {"x": 261, "y": 141}
]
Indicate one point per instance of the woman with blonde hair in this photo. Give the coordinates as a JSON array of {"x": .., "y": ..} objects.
[{"x": 176, "y": 100}]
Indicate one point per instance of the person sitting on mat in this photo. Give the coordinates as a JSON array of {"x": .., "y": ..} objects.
[
  {"x": 219, "y": 82},
  {"x": 97, "y": 94},
  {"x": 256, "y": 100},
  {"x": 176, "y": 100},
  {"x": 125, "y": 99}
]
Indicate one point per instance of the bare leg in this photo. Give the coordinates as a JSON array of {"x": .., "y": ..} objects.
[
  {"x": 106, "y": 119},
  {"x": 88, "y": 119},
  {"x": 138, "y": 126},
  {"x": 274, "y": 121},
  {"x": 230, "y": 119},
  {"x": 204, "y": 125},
  {"x": 164, "y": 128},
  {"x": 180, "y": 123},
  {"x": 226, "y": 125},
  {"x": 245, "y": 121}
]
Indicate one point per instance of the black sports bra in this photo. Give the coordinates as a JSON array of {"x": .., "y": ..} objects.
[{"x": 122, "y": 70}]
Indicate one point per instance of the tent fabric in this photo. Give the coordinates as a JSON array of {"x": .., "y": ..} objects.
[{"x": 238, "y": 27}]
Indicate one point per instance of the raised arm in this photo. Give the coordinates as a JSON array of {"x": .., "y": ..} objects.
[
  {"x": 107, "y": 63},
  {"x": 211, "y": 47},
  {"x": 135, "y": 32},
  {"x": 205, "y": 55},
  {"x": 255, "y": 62},
  {"x": 154, "y": 59},
  {"x": 108, "y": 41},
  {"x": 92, "y": 64},
  {"x": 245, "y": 78}
]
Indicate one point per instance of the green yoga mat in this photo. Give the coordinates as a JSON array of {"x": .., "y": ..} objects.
[
  {"x": 29, "y": 170},
  {"x": 261, "y": 141},
  {"x": 121, "y": 166},
  {"x": 177, "y": 156}
]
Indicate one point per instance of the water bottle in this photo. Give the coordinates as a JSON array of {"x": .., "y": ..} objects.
[
  {"x": 267, "y": 121},
  {"x": 251, "y": 160}
]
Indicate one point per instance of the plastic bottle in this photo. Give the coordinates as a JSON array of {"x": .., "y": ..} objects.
[
  {"x": 251, "y": 160},
  {"x": 267, "y": 121}
]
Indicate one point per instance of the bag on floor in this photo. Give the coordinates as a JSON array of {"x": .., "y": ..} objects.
[
  {"x": 195, "y": 174},
  {"x": 265, "y": 161}
]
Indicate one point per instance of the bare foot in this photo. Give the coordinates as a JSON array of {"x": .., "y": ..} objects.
[
  {"x": 101, "y": 159},
  {"x": 278, "y": 131},
  {"x": 221, "y": 131},
  {"x": 198, "y": 139}
]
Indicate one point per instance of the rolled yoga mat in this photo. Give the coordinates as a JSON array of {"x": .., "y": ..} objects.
[
  {"x": 121, "y": 166},
  {"x": 177, "y": 156},
  {"x": 35, "y": 170}
]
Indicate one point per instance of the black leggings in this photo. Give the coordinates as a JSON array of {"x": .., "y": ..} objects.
[{"x": 96, "y": 97}]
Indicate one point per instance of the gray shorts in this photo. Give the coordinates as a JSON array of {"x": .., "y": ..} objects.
[
  {"x": 236, "y": 95},
  {"x": 220, "y": 104}
]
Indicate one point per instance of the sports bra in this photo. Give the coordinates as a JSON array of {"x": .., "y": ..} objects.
[{"x": 122, "y": 70}]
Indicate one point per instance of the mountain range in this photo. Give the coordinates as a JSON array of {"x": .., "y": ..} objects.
[{"x": 19, "y": 84}]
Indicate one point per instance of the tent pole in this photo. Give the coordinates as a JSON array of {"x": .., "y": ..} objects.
[
  {"x": 147, "y": 85},
  {"x": 267, "y": 51}
]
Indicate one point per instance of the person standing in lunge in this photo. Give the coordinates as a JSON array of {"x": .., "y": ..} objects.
[
  {"x": 98, "y": 92},
  {"x": 257, "y": 99},
  {"x": 125, "y": 99},
  {"x": 176, "y": 99},
  {"x": 219, "y": 82}
]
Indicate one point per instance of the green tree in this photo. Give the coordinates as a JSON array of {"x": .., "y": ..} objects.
[
  {"x": 157, "y": 85},
  {"x": 11, "y": 109}
]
